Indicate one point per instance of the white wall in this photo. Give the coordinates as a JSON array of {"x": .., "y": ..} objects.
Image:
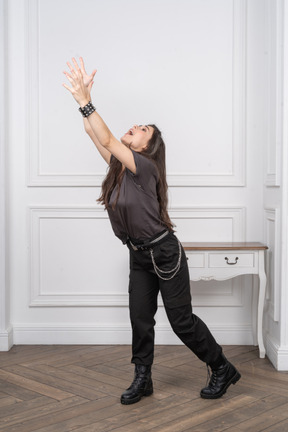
[
  {"x": 276, "y": 181},
  {"x": 195, "y": 68},
  {"x": 5, "y": 327}
]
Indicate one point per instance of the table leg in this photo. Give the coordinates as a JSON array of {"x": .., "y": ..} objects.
[
  {"x": 255, "y": 297},
  {"x": 261, "y": 299}
]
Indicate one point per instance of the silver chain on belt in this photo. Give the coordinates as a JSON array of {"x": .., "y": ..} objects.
[{"x": 175, "y": 269}]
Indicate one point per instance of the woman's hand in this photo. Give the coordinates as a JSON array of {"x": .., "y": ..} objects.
[
  {"x": 81, "y": 82},
  {"x": 86, "y": 78}
]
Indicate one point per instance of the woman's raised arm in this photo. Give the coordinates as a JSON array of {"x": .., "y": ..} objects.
[
  {"x": 99, "y": 129},
  {"x": 102, "y": 150}
]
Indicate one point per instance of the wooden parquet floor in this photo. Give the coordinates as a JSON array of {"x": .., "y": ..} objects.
[{"x": 77, "y": 388}]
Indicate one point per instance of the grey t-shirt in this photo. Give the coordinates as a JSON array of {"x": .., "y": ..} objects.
[{"x": 137, "y": 210}]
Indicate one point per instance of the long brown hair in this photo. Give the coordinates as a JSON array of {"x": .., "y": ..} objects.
[{"x": 155, "y": 151}]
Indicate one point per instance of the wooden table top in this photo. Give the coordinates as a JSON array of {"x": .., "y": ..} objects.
[{"x": 190, "y": 246}]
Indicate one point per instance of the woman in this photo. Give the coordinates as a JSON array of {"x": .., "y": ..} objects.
[{"x": 134, "y": 193}]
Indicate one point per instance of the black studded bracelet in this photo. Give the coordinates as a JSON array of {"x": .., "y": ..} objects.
[{"x": 87, "y": 109}]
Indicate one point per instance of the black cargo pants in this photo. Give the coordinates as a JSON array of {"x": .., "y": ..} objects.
[{"x": 144, "y": 286}]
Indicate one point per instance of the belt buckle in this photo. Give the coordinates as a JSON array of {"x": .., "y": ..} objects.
[{"x": 133, "y": 247}]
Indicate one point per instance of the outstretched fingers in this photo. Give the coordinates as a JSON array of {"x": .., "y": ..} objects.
[
  {"x": 82, "y": 65},
  {"x": 75, "y": 73},
  {"x": 70, "y": 66},
  {"x": 93, "y": 73},
  {"x": 75, "y": 76},
  {"x": 73, "y": 79},
  {"x": 76, "y": 65},
  {"x": 68, "y": 88},
  {"x": 80, "y": 87},
  {"x": 69, "y": 77}
]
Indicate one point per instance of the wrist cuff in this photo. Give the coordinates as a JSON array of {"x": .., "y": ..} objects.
[{"x": 87, "y": 110}]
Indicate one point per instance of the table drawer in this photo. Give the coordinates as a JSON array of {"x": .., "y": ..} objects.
[
  {"x": 231, "y": 260},
  {"x": 196, "y": 260}
]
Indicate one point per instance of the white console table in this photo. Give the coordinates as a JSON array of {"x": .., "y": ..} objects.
[{"x": 221, "y": 261}]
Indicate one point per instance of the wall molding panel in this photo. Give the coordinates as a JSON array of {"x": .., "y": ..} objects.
[
  {"x": 220, "y": 294},
  {"x": 53, "y": 258},
  {"x": 275, "y": 33},
  {"x": 234, "y": 176},
  {"x": 39, "y": 217},
  {"x": 272, "y": 239}
]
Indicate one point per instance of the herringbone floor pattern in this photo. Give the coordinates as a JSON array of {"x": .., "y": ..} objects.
[{"x": 77, "y": 388}]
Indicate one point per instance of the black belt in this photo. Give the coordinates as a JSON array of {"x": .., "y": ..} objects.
[{"x": 148, "y": 244}]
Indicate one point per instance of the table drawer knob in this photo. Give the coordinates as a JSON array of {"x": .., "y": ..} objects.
[{"x": 231, "y": 263}]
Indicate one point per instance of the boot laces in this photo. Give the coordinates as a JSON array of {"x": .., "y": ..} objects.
[
  {"x": 137, "y": 381},
  {"x": 211, "y": 379}
]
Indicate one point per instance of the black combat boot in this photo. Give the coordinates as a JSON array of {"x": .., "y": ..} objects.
[
  {"x": 222, "y": 377},
  {"x": 141, "y": 386}
]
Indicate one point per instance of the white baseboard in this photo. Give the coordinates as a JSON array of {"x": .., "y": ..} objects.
[
  {"x": 277, "y": 355},
  {"x": 6, "y": 339},
  {"x": 117, "y": 335}
]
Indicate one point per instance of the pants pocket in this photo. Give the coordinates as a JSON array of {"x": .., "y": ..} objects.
[{"x": 166, "y": 255}]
